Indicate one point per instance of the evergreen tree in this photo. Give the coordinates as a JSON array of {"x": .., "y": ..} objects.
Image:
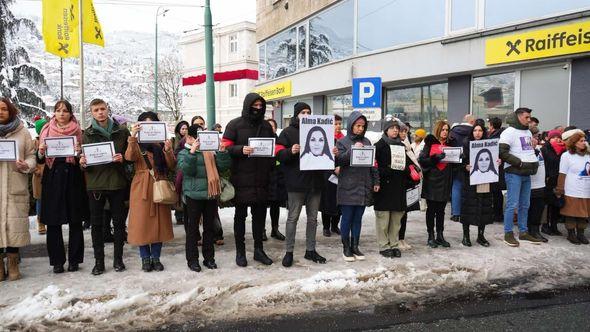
[{"x": 19, "y": 79}]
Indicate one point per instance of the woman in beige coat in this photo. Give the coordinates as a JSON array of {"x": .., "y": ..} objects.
[
  {"x": 14, "y": 190},
  {"x": 150, "y": 224}
]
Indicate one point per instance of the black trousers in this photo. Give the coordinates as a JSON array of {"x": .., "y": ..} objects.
[
  {"x": 402, "y": 230},
  {"x": 536, "y": 211},
  {"x": 330, "y": 221},
  {"x": 435, "y": 210},
  {"x": 553, "y": 215},
  {"x": 9, "y": 250},
  {"x": 194, "y": 210},
  {"x": 258, "y": 212},
  {"x": 56, "y": 246},
  {"x": 96, "y": 202},
  {"x": 498, "y": 204},
  {"x": 275, "y": 213}
]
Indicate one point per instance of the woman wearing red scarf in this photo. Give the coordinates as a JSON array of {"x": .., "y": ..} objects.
[
  {"x": 62, "y": 191},
  {"x": 552, "y": 151}
]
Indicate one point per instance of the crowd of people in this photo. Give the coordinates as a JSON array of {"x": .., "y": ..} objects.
[{"x": 545, "y": 177}]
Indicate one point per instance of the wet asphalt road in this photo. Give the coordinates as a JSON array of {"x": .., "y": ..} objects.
[{"x": 559, "y": 310}]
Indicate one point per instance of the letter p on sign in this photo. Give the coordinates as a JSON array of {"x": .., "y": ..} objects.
[{"x": 366, "y": 92}]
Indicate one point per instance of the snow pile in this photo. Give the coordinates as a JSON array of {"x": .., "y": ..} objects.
[{"x": 137, "y": 300}]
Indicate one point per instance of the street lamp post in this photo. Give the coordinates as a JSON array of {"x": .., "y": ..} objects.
[
  {"x": 210, "y": 83},
  {"x": 156, "y": 60}
]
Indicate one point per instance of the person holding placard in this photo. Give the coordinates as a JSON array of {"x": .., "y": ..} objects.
[
  {"x": 538, "y": 203},
  {"x": 106, "y": 182},
  {"x": 552, "y": 150},
  {"x": 200, "y": 189},
  {"x": 390, "y": 200},
  {"x": 15, "y": 165},
  {"x": 62, "y": 191},
  {"x": 436, "y": 186},
  {"x": 150, "y": 223},
  {"x": 415, "y": 175},
  {"x": 574, "y": 185},
  {"x": 355, "y": 186},
  {"x": 303, "y": 187},
  {"x": 250, "y": 175},
  {"x": 179, "y": 136},
  {"x": 328, "y": 206},
  {"x": 477, "y": 202}
]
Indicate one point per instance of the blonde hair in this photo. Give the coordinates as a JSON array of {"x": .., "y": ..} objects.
[
  {"x": 438, "y": 127},
  {"x": 570, "y": 143}
]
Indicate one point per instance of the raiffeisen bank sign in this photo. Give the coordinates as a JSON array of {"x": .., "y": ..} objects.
[{"x": 536, "y": 44}]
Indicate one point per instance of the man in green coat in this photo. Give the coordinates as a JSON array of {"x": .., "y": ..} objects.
[{"x": 106, "y": 182}]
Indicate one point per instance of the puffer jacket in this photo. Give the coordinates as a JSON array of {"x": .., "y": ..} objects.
[
  {"x": 194, "y": 180},
  {"x": 355, "y": 184}
]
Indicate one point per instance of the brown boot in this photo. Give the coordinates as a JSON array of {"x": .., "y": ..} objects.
[
  {"x": 2, "y": 268},
  {"x": 13, "y": 272},
  {"x": 41, "y": 227}
]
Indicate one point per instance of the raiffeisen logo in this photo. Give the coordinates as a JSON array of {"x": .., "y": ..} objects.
[{"x": 535, "y": 44}]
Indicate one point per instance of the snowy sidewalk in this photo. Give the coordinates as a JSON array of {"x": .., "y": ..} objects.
[{"x": 137, "y": 300}]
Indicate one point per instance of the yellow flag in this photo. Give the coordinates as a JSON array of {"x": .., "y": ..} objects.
[
  {"x": 60, "y": 27},
  {"x": 92, "y": 33}
]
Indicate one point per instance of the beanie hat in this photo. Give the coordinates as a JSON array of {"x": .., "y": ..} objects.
[
  {"x": 571, "y": 132},
  {"x": 553, "y": 133},
  {"x": 388, "y": 124},
  {"x": 39, "y": 124},
  {"x": 420, "y": 132},
  {"x": 300, "y": 106}
]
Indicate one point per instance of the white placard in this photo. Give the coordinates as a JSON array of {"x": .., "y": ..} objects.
[
  {"x": 362, "y": 157},
  {"x": 452, "y": 155},
  {"x": 398, "y": 157},
  {"x": 412, "y": 195},
  {"x": 316, "y": 137},
  {"x": 8, "y": 150},
  {"x": 482, "y": 158},
  {"x": 152, "y": 132},
  {"x": 98, "y": 153},
  {"x": 208, "y": 140},
  {"x": 62, "y": 146},
  {"x": 263, "y": 146}
]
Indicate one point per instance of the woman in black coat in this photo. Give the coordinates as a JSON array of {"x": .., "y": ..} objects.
[
  {"x": 552, "y": 151},
  {"x": 436, "y": 187},
  {"x": 477, "y": 206},
  {"x": 277, "y": 195}
]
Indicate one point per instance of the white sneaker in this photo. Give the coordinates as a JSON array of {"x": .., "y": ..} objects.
[
  {"x": 406, "y": 245},
  {"x": 348, "y": 259}
]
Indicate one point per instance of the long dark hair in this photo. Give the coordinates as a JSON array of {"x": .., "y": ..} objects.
[
  {"x": 492, "y": 166},
  {"x": 12, "y": 110},
  {"x": 155, "y": 148},
  {"x": 326, "y": 149},
  {"x": 179, "y": 126}
]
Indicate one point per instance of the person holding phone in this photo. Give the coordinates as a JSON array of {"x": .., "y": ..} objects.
[
  {"x": 14, "y": 193},
  {"x": 62, "y": 191}
]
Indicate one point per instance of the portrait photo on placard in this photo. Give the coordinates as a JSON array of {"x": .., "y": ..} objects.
[
  {"x": 316, "y": 137},
  {"x": 483, "y": 155}
]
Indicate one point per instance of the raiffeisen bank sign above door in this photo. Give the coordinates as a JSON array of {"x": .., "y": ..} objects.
[{"x": 537, "y": 44}]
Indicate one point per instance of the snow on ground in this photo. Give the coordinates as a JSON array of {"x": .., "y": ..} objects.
[{"x": 137, "y": 300}]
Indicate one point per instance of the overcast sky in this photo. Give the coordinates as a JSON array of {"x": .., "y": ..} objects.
[{"x": 117, "y": 15}]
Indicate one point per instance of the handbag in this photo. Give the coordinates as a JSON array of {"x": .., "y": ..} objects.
[
  {"x": 228, "y": 191},
  {"x": 164, "y": 191},
  {"x": 414, "y": 173}
]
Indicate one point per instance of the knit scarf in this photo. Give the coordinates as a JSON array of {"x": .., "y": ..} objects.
[
  {"x": 391, "y": 141},
  {"x": 106, "y": 132},
  {"x": 213, "y": 181},
  {"x": 52, "y": 129},
  {"x": 6, "y": 129},
  {"x": 558, "y": 147}
]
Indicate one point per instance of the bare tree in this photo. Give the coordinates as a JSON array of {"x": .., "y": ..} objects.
[{"x": 169, "y": 85}]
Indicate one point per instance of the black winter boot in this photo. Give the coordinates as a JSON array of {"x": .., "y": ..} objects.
[
  {"x": 466, "y": 240},
  {"x": 313, "y": 256},
  {"x": 260, "y": 256},
  {"x": 241, "y": 259},
  {"x": 440, "y": 240},
  {"x": 118, "y": 264},
  {"x": 358, "y": 255},
  {"x": 481, "y": 239},
  {"x": 98, "y": 268},
  {"x": 571, "y": 236},
  {"x": 146, "y": 264},
  {"x": 288, "y": 259},
  {"x": 581, "y": 237},
  {"x": 347, "y": 251},
  {"x": 431, "y": 242},
  {"x": 277, "y": 235}
]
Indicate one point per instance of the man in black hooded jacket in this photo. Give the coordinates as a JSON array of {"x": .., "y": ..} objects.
[{"x": 249, "y": 175}]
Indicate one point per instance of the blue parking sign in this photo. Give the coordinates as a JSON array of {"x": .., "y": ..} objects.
[{"x": 366, "y": 92}]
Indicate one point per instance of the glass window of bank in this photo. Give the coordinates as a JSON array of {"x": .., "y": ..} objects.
[
  {"x": 421, "y": 106},
  {"x": 500, "y": 12},
  {"x": 493, "y": 95},
  {"x": 386, "y": 23},
  {"x": 331, "y": 34}
]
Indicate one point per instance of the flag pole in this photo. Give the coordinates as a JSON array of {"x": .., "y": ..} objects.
[{"x": 80, "y": 19}]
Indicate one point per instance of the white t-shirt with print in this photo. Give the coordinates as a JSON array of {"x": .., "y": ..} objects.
[
  {"x": 519, "y": 141},
  {"x": 577, "y": 174},
  {"x": 538, "y": 179}
]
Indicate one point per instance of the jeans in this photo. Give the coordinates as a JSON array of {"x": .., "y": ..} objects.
[
  {"x": 96, "y": 202},
  {"x": 150, "y": 250},
  {"x": 38, "y": 207},
  {"x": 456, "y": 197},
  {"x": 351, "y": 222},
  {"x": 517, "y": 197},
  {"x": 296, "y": 200}
]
